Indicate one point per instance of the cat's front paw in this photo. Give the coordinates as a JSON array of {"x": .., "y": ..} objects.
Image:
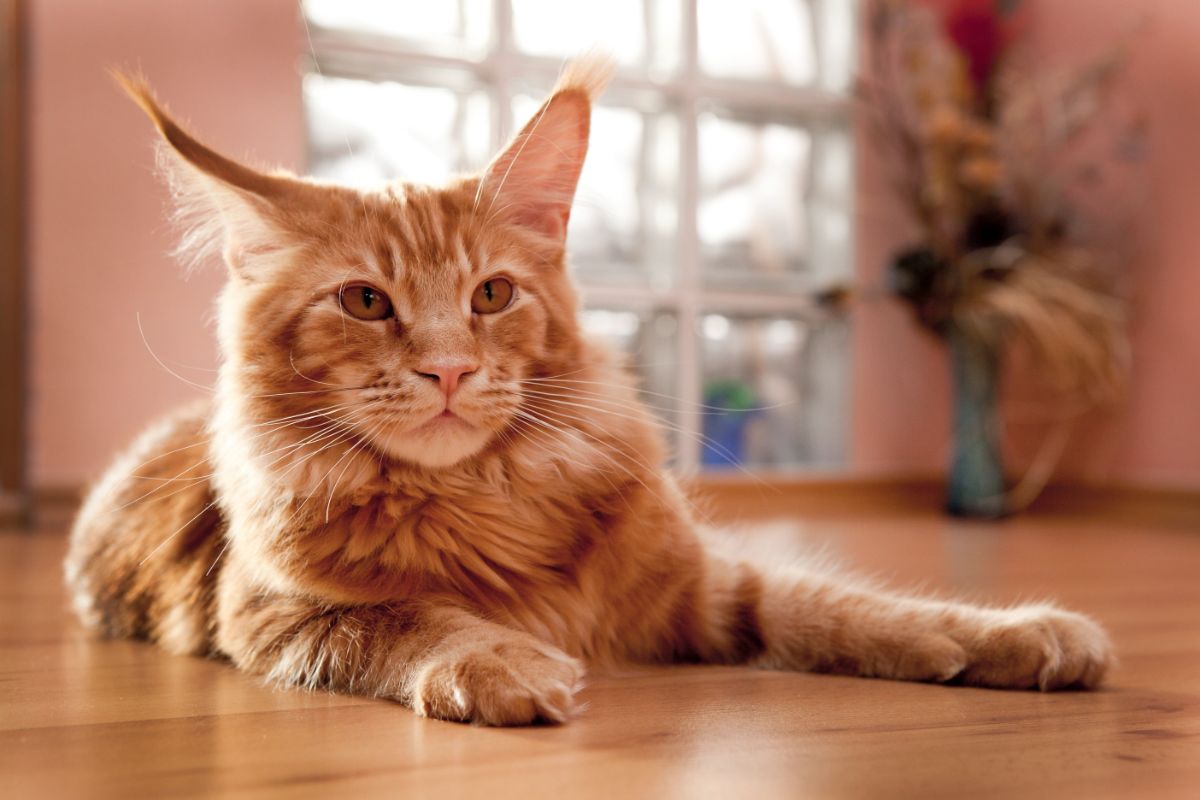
[
  {"x": 503, "y": 683},
  {"x": 1035, "y": 646}
]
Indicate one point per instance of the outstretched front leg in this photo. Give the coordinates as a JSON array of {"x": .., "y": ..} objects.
[
  {"x": 809, "y": 622},
  {"x": 438, "y": 659}
]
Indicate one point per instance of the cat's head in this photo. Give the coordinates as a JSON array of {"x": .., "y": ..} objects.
[{"x": 409, "y": 315}]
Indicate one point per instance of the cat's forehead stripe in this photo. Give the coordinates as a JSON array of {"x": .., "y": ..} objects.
[
  {"x": 381, "y": 257},
  {"x": 416, "y": 238}
]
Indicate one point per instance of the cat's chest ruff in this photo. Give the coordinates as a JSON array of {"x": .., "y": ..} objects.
[{"x": 469, "y": 541}]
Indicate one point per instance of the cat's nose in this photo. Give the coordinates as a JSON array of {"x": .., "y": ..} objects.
[{"x": 447, "y": 375}]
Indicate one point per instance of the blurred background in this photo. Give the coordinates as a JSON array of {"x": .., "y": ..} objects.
[{"x": 733, "y": 226}]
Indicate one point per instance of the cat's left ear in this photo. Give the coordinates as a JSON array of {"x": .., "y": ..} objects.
[
  {"x": 225, "y": 206},
  {"x": 532, "y": 182}
]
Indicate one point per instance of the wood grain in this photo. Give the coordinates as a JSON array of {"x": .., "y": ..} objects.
[{"x": 81, "y": 717}]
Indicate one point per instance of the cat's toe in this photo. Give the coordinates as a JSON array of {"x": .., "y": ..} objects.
[
  {"x": 1040, "y": 647},
  {"x": 930, "y": 657},
  {"x": 500, "y": 686},
  {"x": 1084, "y": 653}
]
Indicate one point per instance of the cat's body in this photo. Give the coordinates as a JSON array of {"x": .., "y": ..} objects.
[{"x": 440, "y": 491}]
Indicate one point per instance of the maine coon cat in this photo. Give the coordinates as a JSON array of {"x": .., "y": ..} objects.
[{"x": 419, "y": 480}]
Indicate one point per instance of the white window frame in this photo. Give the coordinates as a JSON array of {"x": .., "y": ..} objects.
[{"x": 352, "y": 54}]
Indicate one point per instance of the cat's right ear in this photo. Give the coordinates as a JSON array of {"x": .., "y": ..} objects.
[{"x": 224, "y": 207}]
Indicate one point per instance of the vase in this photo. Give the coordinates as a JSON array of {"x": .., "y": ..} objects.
[{"x": 976, "y": 481}]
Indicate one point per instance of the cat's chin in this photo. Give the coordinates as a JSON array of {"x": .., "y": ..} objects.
[{"x": 439, "y": 443}]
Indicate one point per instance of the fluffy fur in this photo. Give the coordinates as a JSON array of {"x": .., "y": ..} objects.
[{"x": 338, "y": 517}]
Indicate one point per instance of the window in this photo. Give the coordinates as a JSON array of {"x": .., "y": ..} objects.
[{"x": 715, "y": 204}]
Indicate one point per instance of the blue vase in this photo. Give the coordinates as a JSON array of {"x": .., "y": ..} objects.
[{"x": 976, "y": 482}]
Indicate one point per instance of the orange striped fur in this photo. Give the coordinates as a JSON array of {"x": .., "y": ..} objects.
[{"x": 341, "y": 516}]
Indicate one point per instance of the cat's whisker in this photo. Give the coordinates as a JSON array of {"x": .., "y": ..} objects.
[
  {"x": 307, "y": 416},
  {"x": 599, "y": 450},
  {"x": 163, "y": 364},
  {"x": 699, "y": 438},
  {"x": 559, "y": 375},
  {"x": 322, "y": 434},
  {"x": 343, "y": 429},
  {"x": 292, "y": 364},
  {"x": 349, "y": 451},
  {"x": 344, "y": 436},
  {"x": 191, "y": 482},
  {"x": 347, "y": 436},
  {"x": 220, "y": 553},
  {"x": 176, "y": 532},
  {"x": 608, "y": 398},
  {"x": 715, "y": 409},
  {"x": 555, "y": 456},
  {"x": 207, "y": 440},
  {"x": 602, "y": 447},
  {"x": 311, "y": 391}
]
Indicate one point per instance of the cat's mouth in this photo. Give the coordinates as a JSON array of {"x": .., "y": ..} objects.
[{"x": 447, "y": 420}]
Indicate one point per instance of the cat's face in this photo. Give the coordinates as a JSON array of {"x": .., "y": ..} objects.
[
  {"x": 402, "y": 319},
  {"x": 408, "y": 315}
]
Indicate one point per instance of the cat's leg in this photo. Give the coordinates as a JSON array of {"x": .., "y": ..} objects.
[
  {"x": 439, "y": 660},
  {"x": 807, "y": 621}
]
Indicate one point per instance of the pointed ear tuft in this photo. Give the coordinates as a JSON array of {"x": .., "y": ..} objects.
[
  {"x": 590, "y": 74},
  {"x": 222, "y": 206},
  {"x": 532, "y": 183},
  {"x": 202, "y": 158}
]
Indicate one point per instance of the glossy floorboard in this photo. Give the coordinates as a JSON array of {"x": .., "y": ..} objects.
[{"x": 81, "y": 718}]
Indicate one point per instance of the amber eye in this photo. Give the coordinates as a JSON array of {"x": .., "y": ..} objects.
[
  {"x": 365, "y": 302},
  {"x": 492, "y": 296}
]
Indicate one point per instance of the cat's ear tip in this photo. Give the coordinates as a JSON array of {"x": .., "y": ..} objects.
[
  {"x": 137, "y": 88},
  {"x": 589, "y": 73}
]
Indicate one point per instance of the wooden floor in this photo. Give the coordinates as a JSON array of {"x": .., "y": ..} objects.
[{"x": 81, "y": 718}]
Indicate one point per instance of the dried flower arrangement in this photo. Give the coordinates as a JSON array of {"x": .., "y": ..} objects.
[{"x": 982, "y": 145}]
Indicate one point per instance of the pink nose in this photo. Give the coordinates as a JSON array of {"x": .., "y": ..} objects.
[{"x": 447, "y": 375}]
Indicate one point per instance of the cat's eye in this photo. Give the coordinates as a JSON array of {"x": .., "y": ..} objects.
[
  {"x": 492, "y": 295},
  {"x": 365, "y": 302}
]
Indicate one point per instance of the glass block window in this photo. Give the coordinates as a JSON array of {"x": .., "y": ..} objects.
[{"x": 715, "y": 204}]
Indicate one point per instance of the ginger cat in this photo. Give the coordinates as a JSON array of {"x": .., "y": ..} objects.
[{"x": 418, "y": 480}]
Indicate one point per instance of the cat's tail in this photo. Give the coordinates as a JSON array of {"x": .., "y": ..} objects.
[{"x": 145, "y": 548}]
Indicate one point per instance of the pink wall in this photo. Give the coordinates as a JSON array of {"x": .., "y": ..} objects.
[
  {"x": 99, "y": 245},
  {"x": 1154, "y": 438},
  {"x": 901, "y": 414}
]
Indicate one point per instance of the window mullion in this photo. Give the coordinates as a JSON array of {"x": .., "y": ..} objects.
[
  {"x": 503, "y": 68},
  {"x": 688, "y": 276}
]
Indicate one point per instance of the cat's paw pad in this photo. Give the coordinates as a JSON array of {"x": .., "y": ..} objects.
[
  {"x": 1038, "y": 646},
  {"x": 500, "y": 684}
]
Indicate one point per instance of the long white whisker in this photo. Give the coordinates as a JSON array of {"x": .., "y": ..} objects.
[
  {"x": 176, "y": 532},
  {"x": 367, "y": 436},
  {"x": 205, "y": 441},
  {"x": 556, "y": 456},
  {"x": 292, "y": 363},
  {"x": 161, "y": 363},
  {"x": 608, "y": 398},
  {"x": 601, "y": 449},
  {"x": 602, "y": 446},
  {"x": 218, "y": 558},
  {"x": 693, "y": 404},
  {"x": 699, "y": 438}
]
